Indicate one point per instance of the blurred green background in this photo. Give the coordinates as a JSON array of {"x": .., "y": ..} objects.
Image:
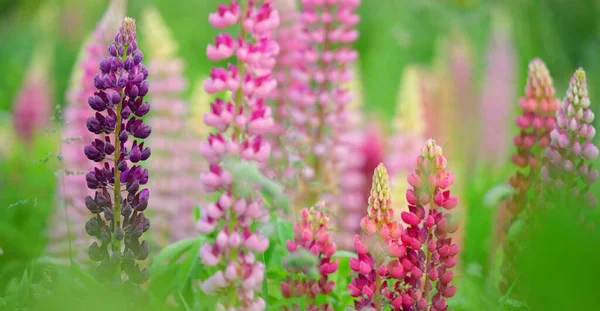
[{"x": 565, "y": 34}]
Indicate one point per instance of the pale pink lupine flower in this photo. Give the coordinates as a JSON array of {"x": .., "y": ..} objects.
[
  {"x": 290, "y": 47},
  {"x": 319, "y": 114},
  {"x": 32, "y": 107},
  {"x": 73, "y": 189},
  {"x": 175, "y": 163},
  {"x": 497, "y": 96},
  {"x": 239, "y": 125}
]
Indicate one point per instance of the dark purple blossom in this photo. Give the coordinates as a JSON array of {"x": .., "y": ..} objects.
[{"x": 120, "y": 196}]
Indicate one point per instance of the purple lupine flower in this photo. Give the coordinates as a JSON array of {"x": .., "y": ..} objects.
[
  {"x": 497, "y": 97},
  {"x": 119, "y": 177},
  {"x": 65, "y": 229},
  {"x": 572, "y": 151},
  {"x": 319, "y": 112},
  {"x": 240, "y": 124},
  {"x": 175, "y": 169}
]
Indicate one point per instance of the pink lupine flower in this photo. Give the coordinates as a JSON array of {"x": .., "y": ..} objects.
[
  {"x": 329, "y": 29},
  {"x": 497, "y": 97},
  {"x": 539, "y": 107},
  {"x": 239, "y": 123},
  {"x": 572, "y": 151},
  {"x": 75, "y": 135},
  {"x": 174, "y": 165},
  {"x": 33, "y": 104},
  {"x": 430, "y": 253},
  {"x": 311, "y": 233},
  {"x": 378, "y": 249}
]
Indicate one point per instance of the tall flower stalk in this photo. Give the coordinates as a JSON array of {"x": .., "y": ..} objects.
[
  {"x": 539, "y": 108},
  {"x": 572, "y": 151},
  {"x": 379, "y": 250},
  {"x": 497, "y": 95},
  {"x": 240, "y": 124},
  {"x": 537, "y": 120},
  {"x": 66, "y": 236},
  {"x": 176, "y": 184},
  {"x": 329, "y": 28},
  {"x": 119, "y": 177},
  {"x": 430, "y": 253}
]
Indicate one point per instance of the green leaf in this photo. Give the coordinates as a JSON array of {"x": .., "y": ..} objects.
[
  {"x": 187, "y": 266},
  {"x": 176, "y": 250}
]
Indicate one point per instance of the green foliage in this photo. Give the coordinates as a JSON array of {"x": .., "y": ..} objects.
[{"x": 27, "y": 197}]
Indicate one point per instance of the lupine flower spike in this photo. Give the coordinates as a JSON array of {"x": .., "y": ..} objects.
[
  {"x": 497, "y": 95},
  {"x": 379, "y": 249},
  {"x": 176, "y": 184},
  {"x": 65, "y": 227},
  {"x": 32, "y": 107},
  {"x": 240, "y": 124},
  {"x": 311, "y": 233},
  {"x": 539, "y": 108},
  {"x": 287, "y": 36},
  {"x": 119, "y": 152},
  {"x": 320, "y": 111},
  {"x": 571, "y": 152}
]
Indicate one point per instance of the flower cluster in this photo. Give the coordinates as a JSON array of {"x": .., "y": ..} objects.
[
  {"x": 311, "y": 233},
  {"x": 75, "y": 136},
  {"x": 240, "y": 124},
  {"x": 539, "y": 107},
  {"x": 379, "y": 249},
  {"x": 319, "y": 103},
  {"x": 571, "y": 149},
  {"x": 497, "y": 95},
  {"x": 287, "y": 37},
  {"x": 32, "y": 107},
  {"x": 176, "y": 184},
  {"x": 119, "y": 104},
  {"x": 430, "y": 253}
]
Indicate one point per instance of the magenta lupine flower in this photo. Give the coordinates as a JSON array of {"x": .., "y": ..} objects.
[
  {"x": 497, "y": 97},
  {"x": 33, "y": 104},
  {"x": 571, "y": 152},
  {"x": 119, "y": 176},
  {"x": 319, "y": 112},
  {"x": 175, "y": 164},
  {"x": 430, "y": 253},
  {"x": 311, "y": 233},
  {"x": 536, "y": 122},
  {"x": 240, "y": 124},
  {"x": 65, "y": 226},
  {"x": 378, "y": 248},
  {"x": 539, "y": 107}
]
